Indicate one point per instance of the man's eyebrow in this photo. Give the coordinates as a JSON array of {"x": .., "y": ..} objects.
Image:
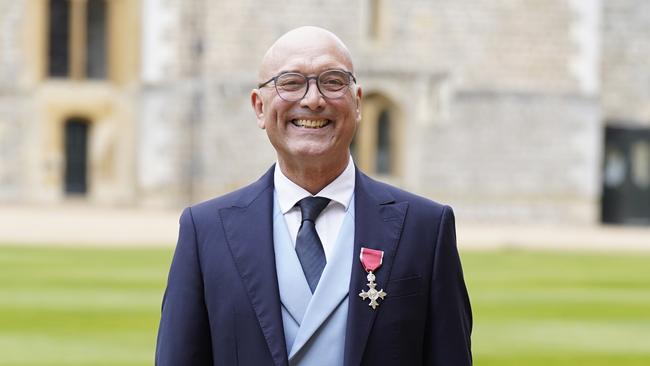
[
  {"x": 300, "y": 72},
  {"x": 288, "y": 72}
]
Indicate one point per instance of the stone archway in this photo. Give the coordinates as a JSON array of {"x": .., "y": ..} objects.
[{"x": 377, "y": 147}]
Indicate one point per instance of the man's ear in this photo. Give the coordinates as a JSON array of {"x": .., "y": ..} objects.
[
  {"x": 258, "y": 107},
  {"x": 358, "y": 98}
]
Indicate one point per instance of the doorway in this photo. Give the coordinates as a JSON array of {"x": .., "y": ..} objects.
[
  {"x": 76, "y": 156},
  {"x": 626, "y": 176}
]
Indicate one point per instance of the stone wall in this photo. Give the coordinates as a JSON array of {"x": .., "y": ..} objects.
[
  {"x": 12, "y": 148},
  {"x": 12, "y": 19},
  {"x": 12, "y": 103},
  {"x": 168, "y": 111},
  {"x": 515, "y": 156},
  {"x": 472, "y": 80},
  {"x": 625, "y": 69},
  {"x": 501, "y": 103}
]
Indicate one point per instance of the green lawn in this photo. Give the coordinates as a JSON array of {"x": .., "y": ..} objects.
[
  {"x": 560, "y": 309},
  {"x": 62, "y": 306},
  {"x": 71, "y": 306}
]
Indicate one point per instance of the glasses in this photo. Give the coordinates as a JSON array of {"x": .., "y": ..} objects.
[{"x": 293, "y": 86}]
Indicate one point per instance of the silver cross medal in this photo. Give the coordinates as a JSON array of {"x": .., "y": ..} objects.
[{"x": 372, "y": 293}]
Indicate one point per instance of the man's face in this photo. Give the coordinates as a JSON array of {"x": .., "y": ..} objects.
[{"x": 315, "y": 129}]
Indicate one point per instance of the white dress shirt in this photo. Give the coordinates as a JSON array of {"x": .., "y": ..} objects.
[{"x": 329, "y": 222}]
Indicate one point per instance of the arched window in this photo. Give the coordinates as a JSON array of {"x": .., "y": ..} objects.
[{"x": 376, "y": 146}]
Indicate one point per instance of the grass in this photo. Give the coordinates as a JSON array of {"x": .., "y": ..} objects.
[
  {"x": 64, "y": 306},
  {"x": 560, "y": 309},
  {"x": 90, "y": 306}
]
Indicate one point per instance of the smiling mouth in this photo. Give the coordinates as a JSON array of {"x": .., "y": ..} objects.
[{"x": 310, "y": 123}]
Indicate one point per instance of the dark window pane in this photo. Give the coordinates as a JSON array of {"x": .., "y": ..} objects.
[
  {"x": 96, "y": 39},
  {"x": 58, "y": 38},
  {"x": 76, "y": 155},
  {"x": 382, "y": 164}
]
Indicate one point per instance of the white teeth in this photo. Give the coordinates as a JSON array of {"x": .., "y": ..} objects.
[{"x": 308, "y": 123}]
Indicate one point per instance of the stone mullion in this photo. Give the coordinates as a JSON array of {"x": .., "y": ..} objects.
[{"x": 78, "y": 34}]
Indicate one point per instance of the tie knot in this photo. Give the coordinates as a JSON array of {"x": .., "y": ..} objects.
[{"x": 311, "y": 207}]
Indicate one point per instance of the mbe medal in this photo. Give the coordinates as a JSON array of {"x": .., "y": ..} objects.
[{"x": 371, "y": 260}]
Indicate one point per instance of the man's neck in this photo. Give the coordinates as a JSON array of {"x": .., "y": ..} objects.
[{"x": 312, "y": 177}]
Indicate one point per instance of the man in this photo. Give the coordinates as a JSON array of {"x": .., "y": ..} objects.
[{"x": 364, "y": 274}]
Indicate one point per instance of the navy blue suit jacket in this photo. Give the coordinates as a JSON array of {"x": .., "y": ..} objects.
[{"x": 222, "y": 304}]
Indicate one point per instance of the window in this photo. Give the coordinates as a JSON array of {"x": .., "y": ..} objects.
[
  {"x": 77, "y": 39},
  {"x": 640, "y": 159},
  {"x": 382, "y": 158},
  {"x": 615, "y": 167},
  {"x": 96, "y": 39},
  {"x": 58, "y": 50}
]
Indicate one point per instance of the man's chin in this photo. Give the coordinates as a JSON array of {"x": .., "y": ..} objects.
[{"x": 310, "y": 153}]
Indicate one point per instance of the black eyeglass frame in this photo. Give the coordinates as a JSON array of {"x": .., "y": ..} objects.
[{"x": 307, "y": 78}]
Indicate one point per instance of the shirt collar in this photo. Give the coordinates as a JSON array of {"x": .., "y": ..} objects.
[{"x": 340, "y": 190}]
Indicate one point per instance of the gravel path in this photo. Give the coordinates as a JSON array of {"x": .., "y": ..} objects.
[{"x": 85, "y": 225}]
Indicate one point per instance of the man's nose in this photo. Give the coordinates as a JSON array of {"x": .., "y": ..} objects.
[{"x": 313, "y": 99}]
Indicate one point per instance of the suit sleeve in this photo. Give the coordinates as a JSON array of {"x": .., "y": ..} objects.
[
  {"x": 449, "y": 320},
  {"x": 184, "y": 333}
]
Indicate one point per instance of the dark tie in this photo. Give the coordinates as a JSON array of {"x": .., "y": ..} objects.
[{"x": 308, "y": 245}]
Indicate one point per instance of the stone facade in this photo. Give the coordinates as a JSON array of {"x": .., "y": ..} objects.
[
  {"x": 465, "y": 75},
  {"x": 12, "y": 106},
  {"x": 625, "y": 73},
  {"x": 497, "y": 108}
]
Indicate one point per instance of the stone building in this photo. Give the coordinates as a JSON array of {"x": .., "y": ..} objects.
[{"x": 535, "y": 111}]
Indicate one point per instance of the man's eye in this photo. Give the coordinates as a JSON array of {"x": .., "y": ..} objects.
[
  {"x": 290, "y": 83},
  {"x": 333, "y": 82}
]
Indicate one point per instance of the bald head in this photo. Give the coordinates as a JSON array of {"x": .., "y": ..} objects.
[{"x": 304, "y": 44}]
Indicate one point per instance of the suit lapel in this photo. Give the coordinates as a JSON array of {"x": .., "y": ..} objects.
[
  {"x": 294, "y": 290},
  {"x": 249, "y": 230},
  {"x": 378, "y": 225}
]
